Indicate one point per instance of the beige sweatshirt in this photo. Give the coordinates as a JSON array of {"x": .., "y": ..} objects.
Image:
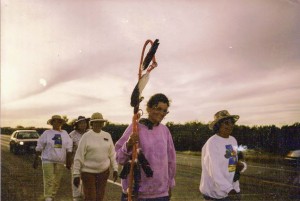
[{"x": 95, "y": 153}]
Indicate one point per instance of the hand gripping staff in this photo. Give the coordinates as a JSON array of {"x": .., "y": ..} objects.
[{"x": 136, "y": 98}]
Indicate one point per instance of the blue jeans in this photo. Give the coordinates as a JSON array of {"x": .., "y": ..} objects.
[{"x": 166, "y": 198}]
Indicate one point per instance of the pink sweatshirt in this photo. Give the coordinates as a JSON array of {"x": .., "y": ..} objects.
[{"x": 158, "y": 148}]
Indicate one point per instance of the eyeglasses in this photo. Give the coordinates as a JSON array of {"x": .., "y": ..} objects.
[
  {"x": 158, "y": 109},
  {"x": 228, "y": 121}
]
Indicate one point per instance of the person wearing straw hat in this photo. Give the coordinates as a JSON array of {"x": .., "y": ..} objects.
[
  {"x": 219, "y": 160},
  {"x": 55, "y": 148},
  {"x": 80, "y": 127},
  {"x": 94, "y": 156}
]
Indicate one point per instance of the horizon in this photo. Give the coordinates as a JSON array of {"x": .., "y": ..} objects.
[{"x": 176, "y": 123}]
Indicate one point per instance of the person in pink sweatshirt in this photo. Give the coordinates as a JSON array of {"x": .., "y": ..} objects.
[
  {"x": 220, "y": 162},
  {"x": 156, "y": 144}
]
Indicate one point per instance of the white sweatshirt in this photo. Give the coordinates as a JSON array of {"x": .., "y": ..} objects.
[
  {"x": 54, "y": 144},
  {"x": 95, "y": 153},
  {"x": 218, "y": 160}
]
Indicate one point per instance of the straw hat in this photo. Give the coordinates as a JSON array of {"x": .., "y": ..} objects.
[
  {"x": 58, "y": 117},
  {"x": 97, "y": 117},
  {"x": 223, "y": 114}
]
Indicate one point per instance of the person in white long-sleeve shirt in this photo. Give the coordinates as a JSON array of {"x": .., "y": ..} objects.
[
  {"x": 94, "y": 156},
  {"x": 55, "y": 148},
  {"x": 220, "y": 162},
  {"x": 80, "y": 127}
]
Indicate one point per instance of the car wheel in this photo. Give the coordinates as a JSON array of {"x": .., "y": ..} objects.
[
  {"x": 15, "y": 150},
  {"x": 10, "y": 148}
]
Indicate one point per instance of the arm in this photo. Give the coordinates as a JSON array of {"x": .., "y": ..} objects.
[
  {"x": 69, "y": 160},
  {"x": 113, "y": 162},
  {"x": 69, "y": 153},
  {"x": 122, "y": 153},
  {"x": 79, "y": 157},
  {"x": 41, "y": 143},
  {"x": 171, "y": 160},
  {"x": 171, "y": 163},
  {"x": 78, "y": 161}
]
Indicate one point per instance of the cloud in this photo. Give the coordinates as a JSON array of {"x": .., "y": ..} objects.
[{"x": 240, "y": 55}]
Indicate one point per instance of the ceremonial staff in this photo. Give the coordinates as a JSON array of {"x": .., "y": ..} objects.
[{"x": 136, "y": 98}]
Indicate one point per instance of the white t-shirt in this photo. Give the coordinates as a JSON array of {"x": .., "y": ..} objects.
[
  {"x": 218, "y": 160},
  {"x": 54, "y": 144},
  {"x": 95, "y": 153}
]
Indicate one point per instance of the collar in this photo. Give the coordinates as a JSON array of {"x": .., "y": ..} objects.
[{"x": 147, "y": 123}]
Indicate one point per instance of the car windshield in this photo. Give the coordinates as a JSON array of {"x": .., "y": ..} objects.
[{"x": 28, "y": 135}]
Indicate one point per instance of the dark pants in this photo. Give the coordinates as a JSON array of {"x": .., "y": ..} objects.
[
  {"x": 236, "y": 197},
  {"x": 94, "y": 185},
  {"x": 166, "y": 198}
]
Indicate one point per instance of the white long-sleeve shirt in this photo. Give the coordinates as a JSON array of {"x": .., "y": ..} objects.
[
  {"x": 75, "y": 136},
  {"x": 218, "y": 160},
  {"x": 54, "y": 144},
  {"x": 95, "y": 153}
]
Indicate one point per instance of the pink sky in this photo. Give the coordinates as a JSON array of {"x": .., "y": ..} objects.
[{"x": 78, "y": 57}]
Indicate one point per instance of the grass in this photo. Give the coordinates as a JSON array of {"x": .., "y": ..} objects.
[{"x": 250, "y": 155}]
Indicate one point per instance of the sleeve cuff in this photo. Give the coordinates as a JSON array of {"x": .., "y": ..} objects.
[
  {"x": 124, "y": 149},
  {"x": 228, "y": 190},
  {"x": 38, "y": 149},
  {"x": 76, "y": 172},
  {"x": 172, "y": 183}
]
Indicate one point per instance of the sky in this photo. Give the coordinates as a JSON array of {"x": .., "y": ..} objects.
[{"x": 79, "y": 57}]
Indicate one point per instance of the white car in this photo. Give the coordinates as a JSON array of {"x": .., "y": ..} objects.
[
  {"x": 23, "y": 141},
  {"x": 293, "y": 158}
]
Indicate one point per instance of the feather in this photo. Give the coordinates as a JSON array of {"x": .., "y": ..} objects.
[
  {"x": 150, "y": 54},
  {"x": 137, "y": 178},
  {"x": 145, "y": 164},
  {"x": 138, "y": 89},
  {"x": 125, "y": 170}
]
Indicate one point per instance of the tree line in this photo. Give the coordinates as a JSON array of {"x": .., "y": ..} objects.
[{"x": 191, "y": 136}]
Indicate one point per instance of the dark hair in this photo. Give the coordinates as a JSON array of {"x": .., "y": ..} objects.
[
  {"x": 217, "y": 125},
  {"x": 156, "y": 98},
  {"x": 87, "y": 125}
]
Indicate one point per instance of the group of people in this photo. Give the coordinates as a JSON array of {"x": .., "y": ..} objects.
[{"x": 91, "y": 153}]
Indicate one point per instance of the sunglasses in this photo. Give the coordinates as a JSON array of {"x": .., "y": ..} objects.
[{"x": 158, "y": 109}]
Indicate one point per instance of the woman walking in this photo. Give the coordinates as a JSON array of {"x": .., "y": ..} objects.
[
  {"x": 80, "y": 127},
  {"x": 55, "y": 148},
  {"x": 94, "y": 155}
]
